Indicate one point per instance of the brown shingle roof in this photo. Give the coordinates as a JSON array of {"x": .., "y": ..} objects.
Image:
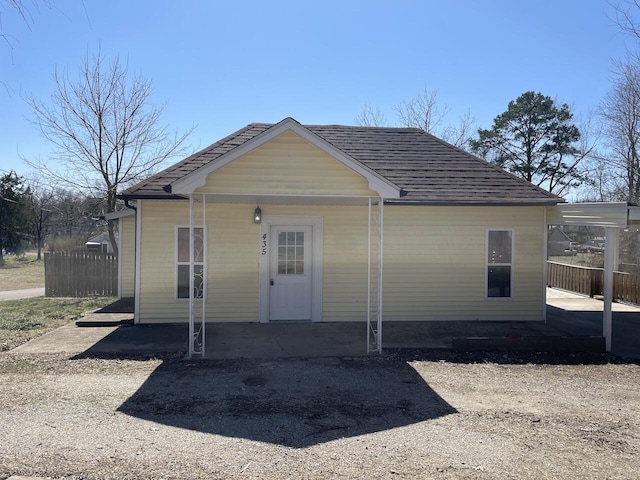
[{"x": 427, "y": 169}]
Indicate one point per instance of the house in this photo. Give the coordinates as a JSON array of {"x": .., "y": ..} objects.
[
  {"x": 100, "y": 243},
  {"x": 559, "y": 242},
  {"x": 329, "y": 223}
]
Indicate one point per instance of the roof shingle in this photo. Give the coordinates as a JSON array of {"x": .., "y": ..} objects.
[{"x": 427, "y": 169}]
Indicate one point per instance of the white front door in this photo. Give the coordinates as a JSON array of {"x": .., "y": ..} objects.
[{"x": 290, "y": 272}]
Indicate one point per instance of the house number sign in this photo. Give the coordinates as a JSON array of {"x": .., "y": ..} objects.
[{"x": 263, "y": 244}]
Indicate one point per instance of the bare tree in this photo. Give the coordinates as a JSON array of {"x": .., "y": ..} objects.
[
  {"x": 620, "y": 114},
  {"x": 423, "y": 112},
  {"x": 370, "y": 117},
  {"x": 24, "y": 10},
  {"x": 42, "y": 203},
  {"x": 105, "y": 132},
  {"x": 625, "y": 16},
  {"x": 459, "y": 135}
]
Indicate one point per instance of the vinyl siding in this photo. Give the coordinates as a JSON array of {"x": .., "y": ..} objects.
[
  {"x": 232, "y": 262},
  {"x": 287, "y": 165},
  {"x": 435, "y": 263},
  {"x": 344, "y": 270},
  {"x": 127, "y": 256}
]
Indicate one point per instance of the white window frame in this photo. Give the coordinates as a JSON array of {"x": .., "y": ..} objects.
[
  {"x": 177, "y": 263},
  {"x": 487, "y": 264}
]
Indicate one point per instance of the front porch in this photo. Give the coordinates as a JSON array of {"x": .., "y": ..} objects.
[{"x": 568, "y": 314}]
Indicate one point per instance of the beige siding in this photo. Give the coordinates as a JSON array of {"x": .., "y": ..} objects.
[
  {"x": 232, "y": 262},
  {"x": 344, "y": 271},
  {"x": 287, "y": 165},
  {"x": 127, "y": 256},
  {"x": 434, "y": 266},
  {"x": 434, "y": 263}
]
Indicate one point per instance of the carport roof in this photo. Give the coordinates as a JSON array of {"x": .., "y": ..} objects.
[{"x": 426, "y": 169}]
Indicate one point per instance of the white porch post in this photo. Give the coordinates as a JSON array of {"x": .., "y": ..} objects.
[
  {"x": 612, "y": 236},
  {"x": 374, "y": 289},
  {"x": 369, "y": 278},
  {"x": 380, "y": 244},
  {"x": 197, "y": 303}
]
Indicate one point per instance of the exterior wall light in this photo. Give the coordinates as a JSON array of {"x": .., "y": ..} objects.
[{"x": 257, "y": 215}]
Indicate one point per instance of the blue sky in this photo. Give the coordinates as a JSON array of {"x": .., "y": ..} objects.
[{"x": 221, "y": 65}]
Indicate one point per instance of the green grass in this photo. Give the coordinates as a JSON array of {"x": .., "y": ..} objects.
[
  {"x": 21, "y": 272},
  {"x": 22, "y": 320}
]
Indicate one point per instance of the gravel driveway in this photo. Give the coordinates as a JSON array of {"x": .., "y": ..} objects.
[{"x": 410, "y": 415}]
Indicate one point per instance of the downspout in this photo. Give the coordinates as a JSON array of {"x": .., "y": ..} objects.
[
  {"x": 135, "y": 255},
  {"x": 545, "y": 266},
  {"x": 128, "y": 205}
]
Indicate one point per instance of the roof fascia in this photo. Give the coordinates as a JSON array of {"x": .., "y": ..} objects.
[
  {"x": 598, "y": 214},
  {"x": 193, "y": 180},
  {"x": 471, "y": 203},
  {"x": 119, "y": 214}
]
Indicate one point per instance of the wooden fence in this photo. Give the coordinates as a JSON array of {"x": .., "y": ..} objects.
[
  {"x": 80, "y": 274},
  {"x": 590, "y": 281}
]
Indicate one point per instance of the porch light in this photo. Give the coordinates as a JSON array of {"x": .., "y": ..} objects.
[{"x": 257, "y": 215}]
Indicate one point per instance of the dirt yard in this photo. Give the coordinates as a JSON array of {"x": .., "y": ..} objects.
[{"x": 415, "y": 415}]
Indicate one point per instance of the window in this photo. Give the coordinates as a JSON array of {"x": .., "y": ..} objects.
[
  {"x": 499, "y": 263},
  {"x": 182, "y": 244},
  {"x": 291, "y": 253}
]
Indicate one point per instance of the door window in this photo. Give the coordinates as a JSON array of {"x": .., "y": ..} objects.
[{"x": 290, "y": 253}]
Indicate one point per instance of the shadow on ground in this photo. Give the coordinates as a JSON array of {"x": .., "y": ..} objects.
[
  {"x": 625, "y": 331},
  {"x": 122, "y": 305},
  {"x": 137, "y": 342},
  {"x": 290, "y": 402}
]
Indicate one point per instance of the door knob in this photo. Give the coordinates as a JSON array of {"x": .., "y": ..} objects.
[{"x": 271, "y": 282}]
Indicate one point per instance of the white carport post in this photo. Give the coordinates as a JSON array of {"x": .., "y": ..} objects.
[{"x": 611, "y": 250}]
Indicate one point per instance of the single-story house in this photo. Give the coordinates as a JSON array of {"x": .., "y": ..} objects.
[
  {"x": 331, "y": 223},
  {"x": 100, "y": 243},
  {"x": 559, "y": 243}
]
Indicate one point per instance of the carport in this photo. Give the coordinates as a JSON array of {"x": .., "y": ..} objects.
[{"x": 613, "y": 217}]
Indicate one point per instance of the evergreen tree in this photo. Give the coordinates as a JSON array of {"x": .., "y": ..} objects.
[
  {"x": 14, "y": 214},
  {"x": 537, "y": 140}
]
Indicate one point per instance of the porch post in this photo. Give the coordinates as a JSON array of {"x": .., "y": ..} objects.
[
  {"x": 374, "y": 291},
  {"x": 197, "y": 303},
  {"x": 369, "y": 278},
  {"x": 191, "y": 269},
  {"x": 380, "y": 242},
  {"x": 612, "y": 236}
]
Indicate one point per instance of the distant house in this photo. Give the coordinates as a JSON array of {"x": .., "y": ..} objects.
[
  {"x": 100, "y": 244},
  {"x": 559, "y": 242}
]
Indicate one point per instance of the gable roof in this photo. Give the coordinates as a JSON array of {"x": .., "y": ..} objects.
[
  {"x": 425, "y": 169},
  {"x": 197, "y": 178}
]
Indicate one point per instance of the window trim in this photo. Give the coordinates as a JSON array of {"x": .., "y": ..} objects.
[
  {"x": 176, "y": 263},
  {"x": 487, "y": 265}
]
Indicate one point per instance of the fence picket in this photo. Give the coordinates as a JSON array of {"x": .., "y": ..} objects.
[{"x": 80, "y": 274}]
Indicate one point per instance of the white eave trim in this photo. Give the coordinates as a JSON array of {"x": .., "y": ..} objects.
[
  {"x": 604, "y": 214},
  {"x": 193, "y": 180},
  {"x": 127, "y": 212}
]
